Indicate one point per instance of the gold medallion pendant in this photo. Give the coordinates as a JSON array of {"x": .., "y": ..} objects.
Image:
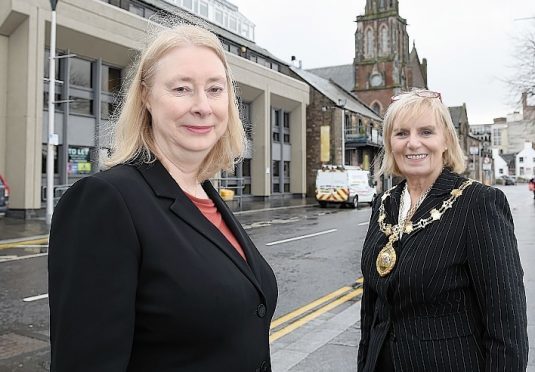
[{"x": 386, "y": 259}]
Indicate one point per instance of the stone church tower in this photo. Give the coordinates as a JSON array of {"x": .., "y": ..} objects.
[{"x": 383, "y": 65}]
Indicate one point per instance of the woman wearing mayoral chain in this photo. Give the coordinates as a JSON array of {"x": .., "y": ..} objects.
[{"x": 443, "y": 284}]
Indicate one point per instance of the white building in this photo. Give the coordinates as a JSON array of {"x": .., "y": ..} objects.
[
  {"x": 500, "y": 165},
  {"x": 525, "y": 162}
]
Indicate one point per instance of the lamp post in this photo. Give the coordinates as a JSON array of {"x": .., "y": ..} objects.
[{"x": 52, "y": 136}]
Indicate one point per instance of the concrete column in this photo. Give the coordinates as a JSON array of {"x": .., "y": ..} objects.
[
  {"x": 261, "y": 161},
  {"x": 298, "y": 139},
  {"x": 24, "y": 112}
]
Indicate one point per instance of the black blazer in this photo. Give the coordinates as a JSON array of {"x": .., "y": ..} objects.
[
  {"x": 140, "y": 280},
  {"x": 455, "y": 300}
]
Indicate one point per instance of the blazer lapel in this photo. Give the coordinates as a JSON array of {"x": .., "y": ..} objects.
[
  {"x": 164, "y": 186},
  {"x": 236, "y": 228}
]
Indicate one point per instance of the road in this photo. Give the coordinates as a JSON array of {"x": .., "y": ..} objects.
[
  {"x": 315, "y": 254},
  {"x": 322, "y": 255}
]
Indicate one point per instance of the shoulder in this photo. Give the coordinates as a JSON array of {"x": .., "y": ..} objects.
[{"x": 102, "y": 184}]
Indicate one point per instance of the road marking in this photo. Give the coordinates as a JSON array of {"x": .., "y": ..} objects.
[
  {"x": 23, "y": 257},
  {"x": 299, "y": 323},
  {"x": 364, "y": 223},
  {"x": 294, "y": 314},
  {"x": 35, "y": 298},
  {"x": 33, "y": 246},
  {"x": 24, "y": 242},
  {"x": 302, "y": 237}
]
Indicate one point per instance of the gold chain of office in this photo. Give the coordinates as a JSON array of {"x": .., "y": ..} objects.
[{"x": 386, "y": 259}]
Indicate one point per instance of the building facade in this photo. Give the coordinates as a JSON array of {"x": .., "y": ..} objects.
[
  {"x": 525, "y": 162},
  {"x": 341, "y": 129},
  {"x": 383, "y": 65},
  {"x": 99, "y": 40}
]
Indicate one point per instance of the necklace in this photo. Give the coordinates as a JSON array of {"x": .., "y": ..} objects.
[
  {"x": 386, "y": 259},
  {"x": 402, "y": 219}
]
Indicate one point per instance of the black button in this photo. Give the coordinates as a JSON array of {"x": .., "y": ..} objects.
[
  {"x": 264, "y": 366},
  {"x": 261, "y": 310}
]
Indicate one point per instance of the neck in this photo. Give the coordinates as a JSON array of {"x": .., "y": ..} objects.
[
  {"x": 418, "y": 186},
  {"x": 183, "y": 172}
]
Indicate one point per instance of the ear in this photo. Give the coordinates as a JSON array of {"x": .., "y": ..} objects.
[{"x": 145, "y": 96}]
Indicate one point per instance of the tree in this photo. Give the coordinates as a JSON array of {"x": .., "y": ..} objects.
[{"x": 522, "y": 80}]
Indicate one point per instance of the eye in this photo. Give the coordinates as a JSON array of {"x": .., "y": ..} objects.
[
  {"x": 427, "y": 132},
  {"x": 216, "y": 90},
  {"x": 400, "y": 133},
  {"x": 181, "y": 90}
]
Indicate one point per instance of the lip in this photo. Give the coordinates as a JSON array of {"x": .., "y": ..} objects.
[{"x": 199, "y": 129}]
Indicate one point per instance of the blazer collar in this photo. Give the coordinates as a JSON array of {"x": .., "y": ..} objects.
[{"x": 164, "y": 186}]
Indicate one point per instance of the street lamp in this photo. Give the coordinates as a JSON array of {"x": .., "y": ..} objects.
[{"x": 52, "y": 141}]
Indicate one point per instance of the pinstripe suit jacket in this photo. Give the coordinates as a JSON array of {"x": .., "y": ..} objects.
[{"x": 455, "y": 300}]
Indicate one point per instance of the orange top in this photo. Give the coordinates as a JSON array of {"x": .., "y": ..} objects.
[{"x": 209, "y": 210}]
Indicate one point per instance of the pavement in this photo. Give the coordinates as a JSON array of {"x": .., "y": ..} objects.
[{"x": 326, "y": 336}]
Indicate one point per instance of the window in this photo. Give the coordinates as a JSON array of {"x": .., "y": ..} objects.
[
  {"x": 286, "y": 138},
  {"x": 81, "y": 73},
  {"x": 500, "y": 170},
  {"x": 286, "y": 170},
  {"x": 81, "y": 106},
  {"x": 276, "y": 187},
  {"x": 234, "y": 49},
  {"x": 384, "y": 41},
  {"x": 286, "y": 120},
  {"x": 57, "y": 107},
  {"x": 276, "y": 168},
  {"x": 111, "y": 79},
  {"x": 107, "y": 109},
  {"x": 246, "y": 167},
  {"x": 277, "y": 118},
  {"x": 521, "y": 171},
  {"x": 233, "y": 25},
  {"x": 44, "y": 151},
  {"x": 369, "y": 43},
  {"x": 136, "y": 9},
  {"x": 245, "y": 115},
  {"x": 276, "y": 137},
  {"x": 376, "y": 108},
  {"x": 219, "y": 16},
  {"x": 275, "y": 66},
  {"x": 187, "y": 4},
  {"x": 521, "y": 159},
  {"x": 203, "y": 8}
]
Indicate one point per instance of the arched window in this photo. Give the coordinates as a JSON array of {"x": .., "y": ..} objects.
[
  {"x": 384, "y": 45},
  {"x": 369, "y": 43},
  {"x": 376, "y": 107}
]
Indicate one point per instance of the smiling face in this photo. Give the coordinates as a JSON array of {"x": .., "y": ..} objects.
[
  {"x": 418, "y": 143},
  {"x": 189, "y": 102}
]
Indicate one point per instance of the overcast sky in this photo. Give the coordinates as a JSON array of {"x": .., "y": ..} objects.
[{"x": 469, "y": 44}]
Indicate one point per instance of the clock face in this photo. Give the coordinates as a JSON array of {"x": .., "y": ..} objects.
[{"x": 376, "y": 80}]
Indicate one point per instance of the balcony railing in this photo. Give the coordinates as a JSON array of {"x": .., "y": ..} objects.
[{"x": 353, "y": 135}]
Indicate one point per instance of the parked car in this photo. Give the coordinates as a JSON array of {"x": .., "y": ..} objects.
[
  {"x": 4, "y": 195},
  {"x": 508, "y": 180}
]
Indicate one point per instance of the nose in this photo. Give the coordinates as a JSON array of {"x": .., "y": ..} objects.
[
  {"x": 201, "y": 104},
  {"x": 413, "y": 141}
]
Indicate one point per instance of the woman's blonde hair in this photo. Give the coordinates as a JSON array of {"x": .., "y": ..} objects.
[
  {"x": 133, "y": 139},
  {"x": 411, "y": 104}
]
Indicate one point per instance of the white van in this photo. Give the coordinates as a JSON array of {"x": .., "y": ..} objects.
[{"x": 346, "y": 185}]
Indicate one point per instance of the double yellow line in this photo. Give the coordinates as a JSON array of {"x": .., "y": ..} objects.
[
  {"x": 313, "y": 310},
  {"x": 25, "y": 242}
]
